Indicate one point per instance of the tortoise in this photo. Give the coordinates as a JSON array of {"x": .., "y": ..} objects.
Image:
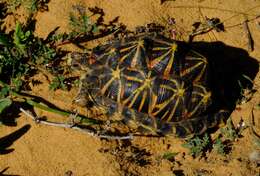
[{"x": 154, "y": 84}]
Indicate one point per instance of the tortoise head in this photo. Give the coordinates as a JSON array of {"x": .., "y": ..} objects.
[
  {"x": 83, "y": 62},
  {"x": 88, "y": 90},
  {"x": 80, "y": 61}
]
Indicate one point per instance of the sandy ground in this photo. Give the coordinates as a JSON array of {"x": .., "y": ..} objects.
[{"x": 45, "y": 150}]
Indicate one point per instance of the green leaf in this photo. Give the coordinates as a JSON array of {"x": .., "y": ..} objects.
[
  {"x": 169, "y": 155},
  {"x": 4, "y": 103},
  {"x": 18, "y": 37},
  {"x": 58, "y": 82},
  {"x": 21, "y": 37},
  {"x": 4, "y": 40},
  {"x": 196, "y": 145},
  {"x": 4, "y": 91},
  {"x": 27, "y": 34},
  {"x": 219, "y": 146}
]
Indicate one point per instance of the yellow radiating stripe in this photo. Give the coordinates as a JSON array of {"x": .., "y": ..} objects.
[
  {"x": 122, "y": 92},
  {"x": 119, "y": 92},
  {"x": 127, "y": 48},
  {"x": 202, "y": 61},
  {"x": 164, "y": 42},
  {"x": 161, "y": 48},
  {"x": 135, "y": 58},
  {"x": 168, "y": 88},
  {"x": 200, "y": 86},
  {"x": 173, "y": 110},
  {"x": 139, "y": 90},
  {"x": 146, "y": 84},
  {"x": 103, "y": 90},
  {"x": 169, "y": 65},
  {"x": 197, "y": 58},
  {"x": 201, "y": 73},
  {"x": 129, "y": 78},
  {"x": 163, "y": 105},
  {"x": 204, "y": 91},
  {"x": 114, "y": 75},
  {"x": 142, "y": 101},
  {"x": 190, "y": 114},
  {"x": 158, "y": 59},
  {"x": 201, "y": 56},
  {"x": 202, "y": 101},
  {"x": 174, "y": 81},
  {"x": 131, "y": 99},
  {"x": 164, "y": 115},
  {"x": 190, "y": 69},
  {"x": 125, "y": 56},
  {"x": 153, "y": 103},
  {"x": 200, "y": 94},
  {"x": 143, "y": 74},
  {"x": 172, "y": 49}
]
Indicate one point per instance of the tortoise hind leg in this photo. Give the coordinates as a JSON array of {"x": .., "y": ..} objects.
[
  {"x": 195, "y": 126},
  {"x": 219, "y": 118}
]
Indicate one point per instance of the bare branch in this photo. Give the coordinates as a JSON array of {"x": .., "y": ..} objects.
[
  {"x": 250, "y": 41},
  {"x": 75, "y": 127}
]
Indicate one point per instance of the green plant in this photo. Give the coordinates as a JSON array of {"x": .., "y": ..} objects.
[
  {"x": 85, "y": 24},
  {"x": 82, "y": 23},
  {"x": 4, "y": 103},
  {"x": 21, "y": 53},
  {"x": 58, "y": 82},
  {"x": 31, "y": 5},
  {"x": 231, "y": 133},
  {"x": 219, "y": 146},
  {"x": 24, "y": 54},
  {"x": 170, "y": 156},
  {"x": 222, "y": 146},
  {"x": 197, "y": 145}
]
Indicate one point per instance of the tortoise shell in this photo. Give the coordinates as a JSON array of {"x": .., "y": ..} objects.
[
  {"x": 154, "y": 84},
  {"x": 149, "y": 102}
]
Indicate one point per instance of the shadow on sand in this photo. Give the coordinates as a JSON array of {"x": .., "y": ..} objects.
[
  {"x": 9, "y": 139},
  {"x": 232, "y": 71}
]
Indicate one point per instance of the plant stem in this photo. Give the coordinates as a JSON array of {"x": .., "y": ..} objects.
[
  {"x": 86, "y": 120},
  {"x": 27, "y": 99}
]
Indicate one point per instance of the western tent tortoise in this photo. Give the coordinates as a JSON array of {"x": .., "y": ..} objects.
[{"x": 154, "y": 84}]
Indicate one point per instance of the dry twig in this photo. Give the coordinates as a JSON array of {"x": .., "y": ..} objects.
[
  {"x": 74, "y": 126},
  {"x": 252, "y": 125},
  {"x": 250, "y": 41}
]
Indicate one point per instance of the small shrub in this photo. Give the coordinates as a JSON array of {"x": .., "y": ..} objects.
[{"x": 197, "y": 145}]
